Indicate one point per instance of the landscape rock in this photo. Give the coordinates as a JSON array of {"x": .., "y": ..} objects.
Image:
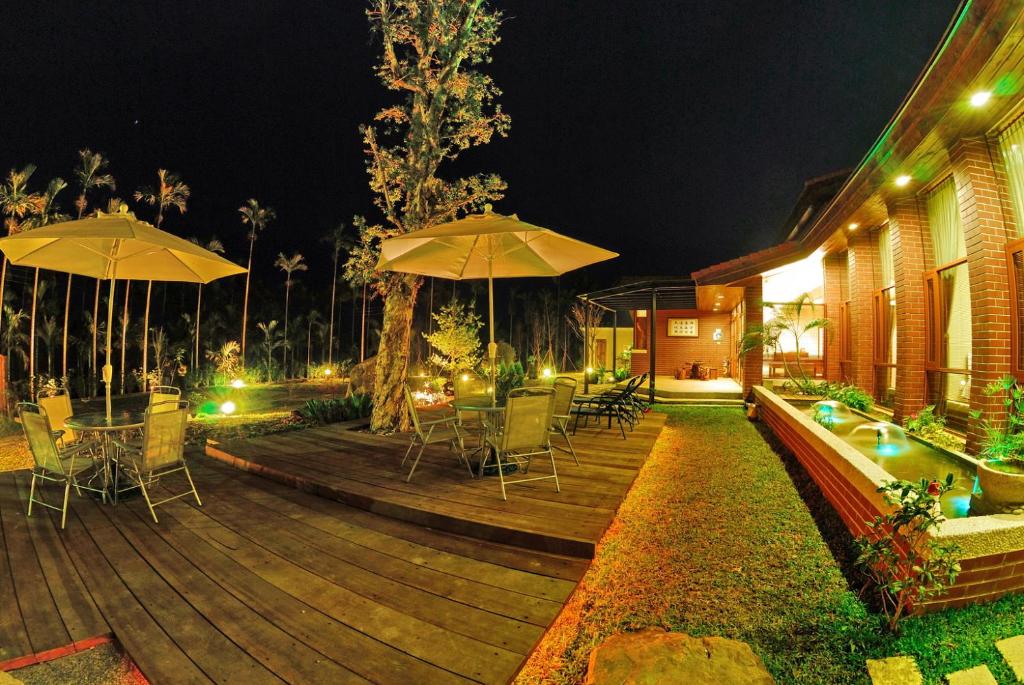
[
  {"x": 653, "y": 657},
  {"x": 362, "y": 375}
]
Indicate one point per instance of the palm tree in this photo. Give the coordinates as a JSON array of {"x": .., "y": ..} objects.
[
  {"x": 170, "y": 193},
  {"x": 288, "y": 265},
  {"x": 338, "y": 239},
  {"x": 788, "y": 324},
  {"x": 90, "y": 175},
  {"x": 313, "y": 321},
  {"x": 14, "y": 339},
  {"x": 272, "y": 339},
  {"x": 213, "y": 246},
  {"x": 16, "y": 203},
  {"x": 47, "y": 212},
  {"x": 257, "y": 218}
]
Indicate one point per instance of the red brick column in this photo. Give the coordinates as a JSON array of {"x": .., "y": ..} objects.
[
  {"x": 861, "y": 259},
  {"x": 983, "y": 215},
  {"x": 911, "y": 255},
  {"x": 833, "y": 265},
  {"x": 752, "y": 363}
]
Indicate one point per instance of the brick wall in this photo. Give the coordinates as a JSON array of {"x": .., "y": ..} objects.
[
  {"x": 673, "y": 352},
  {"x": 752, "y": 363},
  {"x": 908, "y": 231},
  {"x": 834, "y": 266},
  {"x": 861, "y": 260},
  {"x": 983, "y": 215}
]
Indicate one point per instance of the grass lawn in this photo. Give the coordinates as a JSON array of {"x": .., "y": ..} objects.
[{"x": 724, "y": 534}]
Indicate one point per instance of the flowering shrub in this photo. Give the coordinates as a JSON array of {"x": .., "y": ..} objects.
[{"x": 899, "y": 555}]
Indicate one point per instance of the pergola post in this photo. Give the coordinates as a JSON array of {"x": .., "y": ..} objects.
[
  {"x": 652, "y": 325},
  {"x": 586, "y": 339},
  {"x": 615, "y": 338}
]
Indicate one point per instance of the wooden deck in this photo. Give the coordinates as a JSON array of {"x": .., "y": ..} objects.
[
  {"x": 267, "y": 583},
  {"x": 364, "y": 471}
]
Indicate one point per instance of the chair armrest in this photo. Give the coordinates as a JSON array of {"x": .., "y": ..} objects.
[
  {"x": 75, "y": 450},
  {"x": 125, "y": 446},
  {"x": 444, "y": 419}
]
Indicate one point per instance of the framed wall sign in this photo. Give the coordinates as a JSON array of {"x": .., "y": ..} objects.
[{"x": 682, "y": 328}]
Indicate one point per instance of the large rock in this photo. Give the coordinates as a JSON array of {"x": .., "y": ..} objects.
[
  {"x": 655, "y": 657},
  {"x": 362, "y": 375}
]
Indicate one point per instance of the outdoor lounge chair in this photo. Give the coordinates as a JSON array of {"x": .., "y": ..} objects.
[
  {"x": 525, "y": 433},
  {"x": 565, "y": 391},
  {"x": 160, "y": 453},
  {"x": 445, "y": 429},
  {"x": 613, "y": 404},
  {"x": 55, "y": 464}
]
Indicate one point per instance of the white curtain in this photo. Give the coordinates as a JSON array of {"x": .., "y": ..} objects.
[
  {"x": 944, "y": 223},
  {"x": 885, "y": 256},
  {"x": 1011, "y": 142}
]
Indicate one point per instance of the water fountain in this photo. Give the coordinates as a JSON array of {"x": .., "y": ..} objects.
[
  {"x": 887, "y": 439},
  {"x": 837, "y": 411}
]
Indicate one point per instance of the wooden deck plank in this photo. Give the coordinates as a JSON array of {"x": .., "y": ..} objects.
[{"x": 13, "y": 632}]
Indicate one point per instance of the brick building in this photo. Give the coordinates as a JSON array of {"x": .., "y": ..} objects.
[{"x": 916, "y": 256}]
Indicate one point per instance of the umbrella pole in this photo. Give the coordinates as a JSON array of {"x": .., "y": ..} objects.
[
  {"x": 108, "y": 368},
  {"x": 492, "y": 347}
]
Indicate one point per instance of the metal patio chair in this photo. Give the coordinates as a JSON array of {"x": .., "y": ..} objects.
[
  {"x": 565, "y": 391},
  {"x": 525, "y": 433},
  {"x": 164, "y": 396},
  {"x": 58, "y": 410},
  {"x": 445, "y": 429},
  {"x": 54, "y": 464},
  {"x": 161, "y": 452}
]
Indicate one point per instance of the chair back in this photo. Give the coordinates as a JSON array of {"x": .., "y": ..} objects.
[
  {"x": 565, "y": 390},
  {"x": 527, "y": 423},
  {"x": 469, "y": 385},
  {"x": 40, "y": 437},
  {"x": 58, "y": 410},
  {"x": 164, "y": 397},
  {"x": 415, "y": 415},
  {"x": 163, "y": 435}
]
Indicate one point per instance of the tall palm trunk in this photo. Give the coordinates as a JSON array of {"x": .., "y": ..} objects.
[
  {"x": 330, "y": 330},
  {"x": 93, "y": 384},
  {"x": 64, "y": 348},
  {"x": 245, "y": 300},
  {"x": 124, "y": 331},
  {"x": 309, "y": 346},
  {"x": 145, "y": 339},
  {"x": 389, "y": 411},
  {"x": 199, "y": 307},
  {"x": 284, "y": 355},
  {"x": 3, "y": 282},
  {"x": 362, "y": 330},
  {"x": 32, "y": 341}
]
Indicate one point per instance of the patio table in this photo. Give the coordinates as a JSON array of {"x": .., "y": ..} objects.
[
  {"x": 97, "y": 422},
  {"x": 482, "y": 404}
]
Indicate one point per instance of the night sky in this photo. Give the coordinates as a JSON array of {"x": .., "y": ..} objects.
[{"x": 677, "y": 133}]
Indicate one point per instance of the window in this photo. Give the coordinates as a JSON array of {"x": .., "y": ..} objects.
[
  {"x": 884, "y": 321},
  {"x": 640, "y": 330},
  {"x": 1011, "y": 142},
  {"x": 1015, "y": 262},
  {"x": 948, "y": 302}
]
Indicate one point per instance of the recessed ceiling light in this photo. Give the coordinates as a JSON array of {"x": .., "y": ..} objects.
[
  {"x": 854, "y": 226},
  {"x": 903, "y": 180},
  {"x": 980, "y": 98},
  {"x": 719, "y": 297}
]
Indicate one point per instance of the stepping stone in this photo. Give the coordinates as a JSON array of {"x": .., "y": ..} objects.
[
  {"x": 895, "y": 670},
  {"x": 8, "y": 679},
  {"x": 1012, "y": 650},
  {"x": 653, "y": 656},
  {"x": 979, "y": 675}
]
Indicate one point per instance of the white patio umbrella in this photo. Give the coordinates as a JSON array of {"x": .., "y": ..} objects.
[
  {"x": 490, "y": 246},
  {"x": 112, "y": 247}
]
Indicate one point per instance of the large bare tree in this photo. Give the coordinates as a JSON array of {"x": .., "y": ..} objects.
[{"x": 431, "y": 54}]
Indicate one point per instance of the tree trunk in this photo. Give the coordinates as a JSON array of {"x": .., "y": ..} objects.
[
  {"x": 145, "y": 339},
  {"x": 95, "y": 332},
  {"x": 64, "y": 350},
  {"x": 389, "y": 410},
  {"x": 199, "y": 305},
  {"x": 32, "y": 341},
  {"x": 309, "y": 346},
  {"x": 245, "y": 300},
  {"x": 362, "y": 331},
  {"x": 284, "y": 354},
  {"x": 330, "y": 331},
  {"x": 124, "y": 331},
  {"x": 3, "y": 282}
]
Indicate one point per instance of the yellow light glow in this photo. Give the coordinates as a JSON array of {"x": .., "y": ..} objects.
[
  {"x": 327, "y": 371},
  {"x": 228, "y": 407},
  {"x": 590, "y": 369},
  {"x": 981, "y": 98},
  {"x": 903, "y": 180},
  {"x": 854, "y": 226},
  {"x": 238, "y": 383},
  {"x": 465, "y": 377},
  {"x": 719, "y": 297},
  {"x": 546, "y": 373}
]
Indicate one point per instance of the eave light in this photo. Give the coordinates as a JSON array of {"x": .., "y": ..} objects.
[
  {"x": 854, "y": 226},
  {"x": 981, "y": 98},
  {"x": 903, "y": 180}
]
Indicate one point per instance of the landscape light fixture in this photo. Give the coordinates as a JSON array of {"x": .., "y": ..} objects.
[
  {"x": 228, "y": 408},
  {"x": 546, "y": 373},
  {"x": 981, "y": 98},
  {"x": 237, "y": 383},
  {"x": 903, "y": 181},
  {"x": 327, "y": 371},
  {"x": 854, "y": 226}
]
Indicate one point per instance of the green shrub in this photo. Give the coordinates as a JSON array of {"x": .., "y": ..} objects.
[
  {"x": 927, "y": 425},
  {"x": 322, "y": 412},
  {"x": 621, "y": 374},
  {"x": 850, "y": 395},
  {"x": 508, "y": 377}
]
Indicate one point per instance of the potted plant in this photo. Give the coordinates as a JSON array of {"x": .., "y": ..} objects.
[{"x": 1001, "y": 470}]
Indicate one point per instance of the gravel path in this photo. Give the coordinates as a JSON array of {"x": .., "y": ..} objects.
[{"x": 14, "y": 453}]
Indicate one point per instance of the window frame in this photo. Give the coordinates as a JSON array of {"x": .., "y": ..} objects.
[
  {"x": 936, "y": 320},
  {"x": 1017, "y": 370}
]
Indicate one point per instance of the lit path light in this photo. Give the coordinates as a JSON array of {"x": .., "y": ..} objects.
[
  {"x": 228, "y": 408},
  {"x": 237, "y": 383},
  {"x": 546, "y": 373}
]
